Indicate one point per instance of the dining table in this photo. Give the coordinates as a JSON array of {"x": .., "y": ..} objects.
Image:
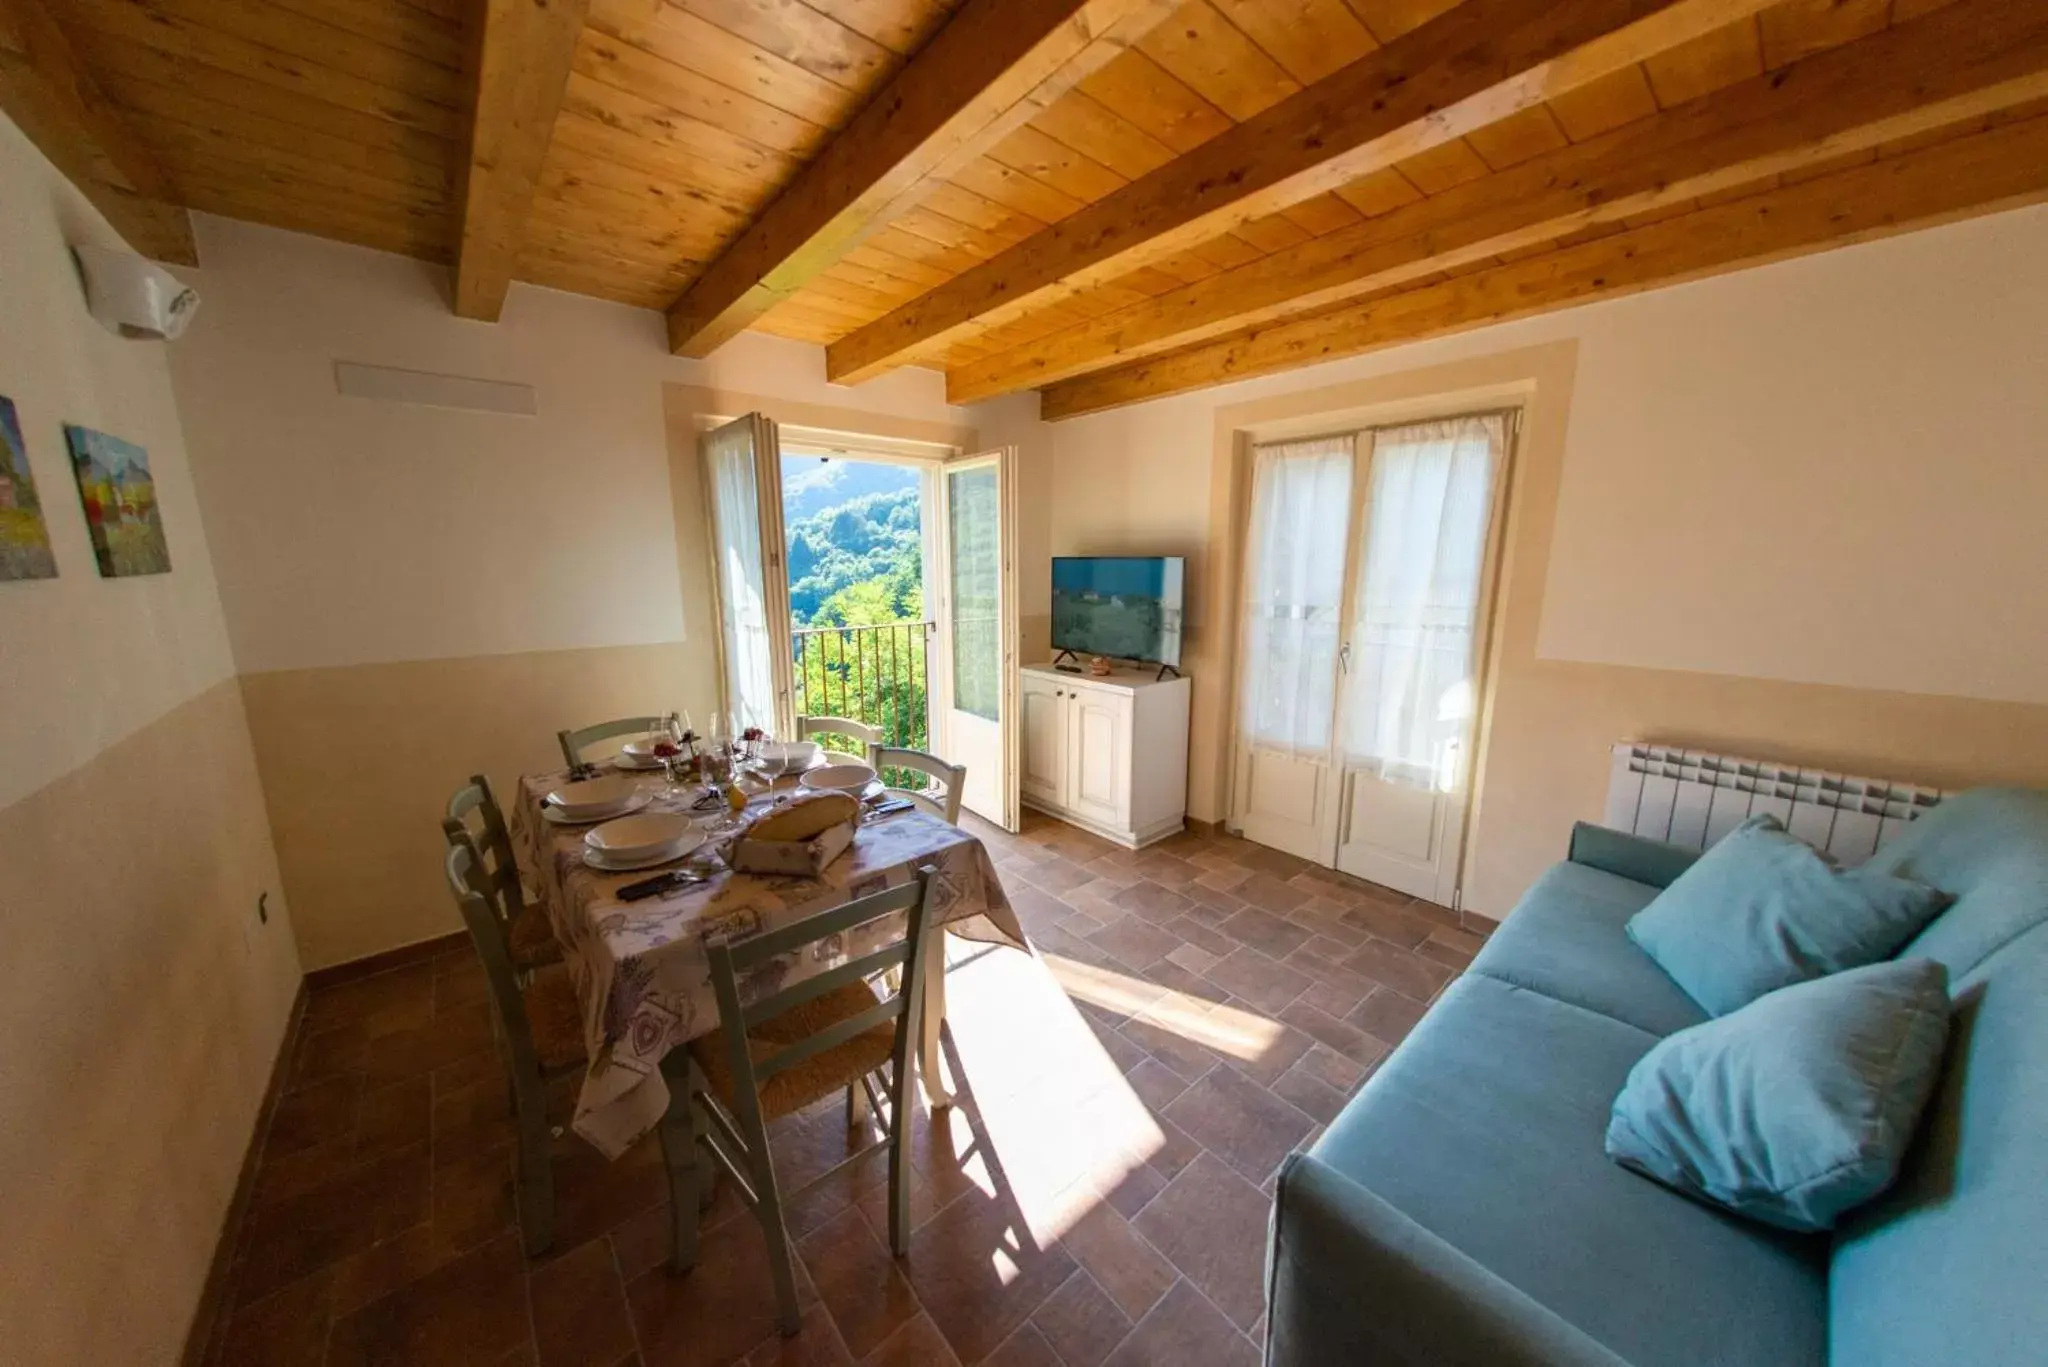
[{"x": 642, "y": 970}]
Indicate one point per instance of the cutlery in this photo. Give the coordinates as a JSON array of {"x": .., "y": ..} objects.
[{"x": 660, "y": 883}]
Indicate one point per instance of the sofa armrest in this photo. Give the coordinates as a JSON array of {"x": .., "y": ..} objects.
[
  {"x": 1351, "y": 1279},
  {"x": 1656, "y": 863}
]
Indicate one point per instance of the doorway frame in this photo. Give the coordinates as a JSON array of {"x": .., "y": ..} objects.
[
  {"x": 1323, "y": 414},
  {"x": 855, "y": 434}
]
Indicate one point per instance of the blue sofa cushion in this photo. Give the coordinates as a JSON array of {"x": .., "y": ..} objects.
[
  {"x": 1762, "y": 910},
  {"x": 1566, "y": 939},
  {"x": 1949, "y": 1265},
  {"x": 1796, "y": 1108},
  {"x": 1484, "y": 1130},
  {"x": 1989, "y": 848}
]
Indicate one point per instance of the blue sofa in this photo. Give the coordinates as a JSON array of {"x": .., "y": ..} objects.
[{"x": 1460, "y": 1210}]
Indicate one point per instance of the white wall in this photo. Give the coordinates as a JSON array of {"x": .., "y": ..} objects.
[
  {"x": 416, "y": 594},
  {"x": 1825, "y": 471},
  {"x": 1823, "y": 475},
  {"x": 1816, "y": 471},
  {"x": 352, "y": 531},
  {"x": 142, "y": 1004},
  {"x": 85, "y": 662}
]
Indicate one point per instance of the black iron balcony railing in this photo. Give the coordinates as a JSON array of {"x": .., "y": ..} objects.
[{"x": 877, "y": 675}]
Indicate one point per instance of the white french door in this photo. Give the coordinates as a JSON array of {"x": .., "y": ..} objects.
[
  {"x": 1364, "y": 614},
  {"x": 743, "y": 486},
  {"x": 974, "y": 660},
  {"x": 1293, "y": 605}
]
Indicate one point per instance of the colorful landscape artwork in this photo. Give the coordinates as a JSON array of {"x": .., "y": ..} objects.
[
  {"x": 24, "y": 536},
  {"x": 120, "y": 504}
]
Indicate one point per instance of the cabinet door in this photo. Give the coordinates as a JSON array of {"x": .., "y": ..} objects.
[
  {"x": 1043, "y": 771},
  {"x": 1098, "y": 742}
]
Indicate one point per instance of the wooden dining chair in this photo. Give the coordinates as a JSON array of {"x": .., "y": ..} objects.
[
  {"x": 540, "y": 1033},
  {"x": 823, "y": 729},
  {"x": 794, "y": 1048},
  {"x": 574, "y": 742},
  {"x": 477, "y": 823},
  {"x": 944, "y": 802}
]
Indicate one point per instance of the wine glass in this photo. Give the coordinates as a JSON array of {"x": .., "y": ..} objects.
[
  {"x": 717, "y": 738},
  {"x": 772, "y": 761}
]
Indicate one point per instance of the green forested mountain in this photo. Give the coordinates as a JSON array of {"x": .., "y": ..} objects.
[{"x": 856, "y": 559}]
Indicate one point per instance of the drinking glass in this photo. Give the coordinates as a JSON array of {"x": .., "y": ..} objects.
[{"x": 773, "y": 761}]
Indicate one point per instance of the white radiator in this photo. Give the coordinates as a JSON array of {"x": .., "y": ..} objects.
[{"x": 1693, "y": 798}]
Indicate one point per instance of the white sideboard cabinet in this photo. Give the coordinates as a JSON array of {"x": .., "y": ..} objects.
[{"x": 1108, "y": 754}]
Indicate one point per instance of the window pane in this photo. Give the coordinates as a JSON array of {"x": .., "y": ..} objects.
[
  {"x": 1409, "y": 698},
  {"x": 972, "y": 496},
  {"x": 1294, "y": 591}
]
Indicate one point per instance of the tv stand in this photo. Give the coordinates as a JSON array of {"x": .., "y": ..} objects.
[{"x": 1107, "y": 754}]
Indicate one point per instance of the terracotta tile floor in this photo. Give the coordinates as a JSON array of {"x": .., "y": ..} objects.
[{"x": 1100, "y": 1196}]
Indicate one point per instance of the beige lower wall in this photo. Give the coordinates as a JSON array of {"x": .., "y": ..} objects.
[
  {"x": 141, "y": 1008},
  {"x": 358, "y": 762},
  {"x": 1551, "y": 716}
]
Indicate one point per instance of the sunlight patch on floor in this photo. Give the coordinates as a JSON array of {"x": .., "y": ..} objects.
[
  {"x": 1226, "y": 1029},
  {"x": 1071, "y": 1128}
]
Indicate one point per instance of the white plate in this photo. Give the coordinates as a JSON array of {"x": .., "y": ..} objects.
[
  {"x": 636, "y": 763},
  {"x": 558, "y": 817},
  {"x": 597, "y": 861},
  {"x": 647, "y": 833},
  {"x": 839, "y": 778},
  {"x": 592, "y": 796}
]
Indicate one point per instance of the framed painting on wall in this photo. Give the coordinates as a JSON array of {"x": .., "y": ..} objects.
[
  {"x": 24, "y": 536},
  {"x": 120, "y": 504}
]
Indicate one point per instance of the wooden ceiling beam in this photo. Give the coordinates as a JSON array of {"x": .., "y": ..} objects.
[
  {"x": 1473, "y": 65},
  {"x": 524, "y": 52},
  {"x": 1977, "y": 173},
  {"x": 1960, "y": 62},
  {"x": 45, "y": 89},
  {"x": 993, "y": 65}
]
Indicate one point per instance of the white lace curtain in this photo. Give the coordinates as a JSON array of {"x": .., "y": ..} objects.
[
  {"x": 1294, "y": 591},
  {"x": 1409, "y": 694},
  {"x": 743, "y": 598}
]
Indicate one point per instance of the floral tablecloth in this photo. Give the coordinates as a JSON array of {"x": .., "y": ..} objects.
[{"x": 641, "y": 970}]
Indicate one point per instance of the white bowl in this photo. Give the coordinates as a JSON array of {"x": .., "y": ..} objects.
[
  {"x": 640, "y": 749},
  {"x": 593, "y": 796},
  {"x": 852, "y": 779},
  {"x": 643, "y": 836},
  {"x": 792, "y": 755}
]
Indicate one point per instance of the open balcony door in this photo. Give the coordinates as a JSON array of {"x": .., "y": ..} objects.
[
  {"x": 743, "y": 487},
  {"x": 974, "y": 678}
]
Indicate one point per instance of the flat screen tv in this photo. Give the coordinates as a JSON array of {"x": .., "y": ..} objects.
[{"x": 1127, "y": 607}]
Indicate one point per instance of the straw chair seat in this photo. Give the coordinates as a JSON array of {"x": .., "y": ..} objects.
[
  {"x": 533, "y": 940},
  {"x": 556, "y": 1018},
  {"x": 818, "y": 1076}
]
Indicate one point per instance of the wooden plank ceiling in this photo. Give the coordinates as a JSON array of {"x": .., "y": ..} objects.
[{"x": 622, "y": 156}]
